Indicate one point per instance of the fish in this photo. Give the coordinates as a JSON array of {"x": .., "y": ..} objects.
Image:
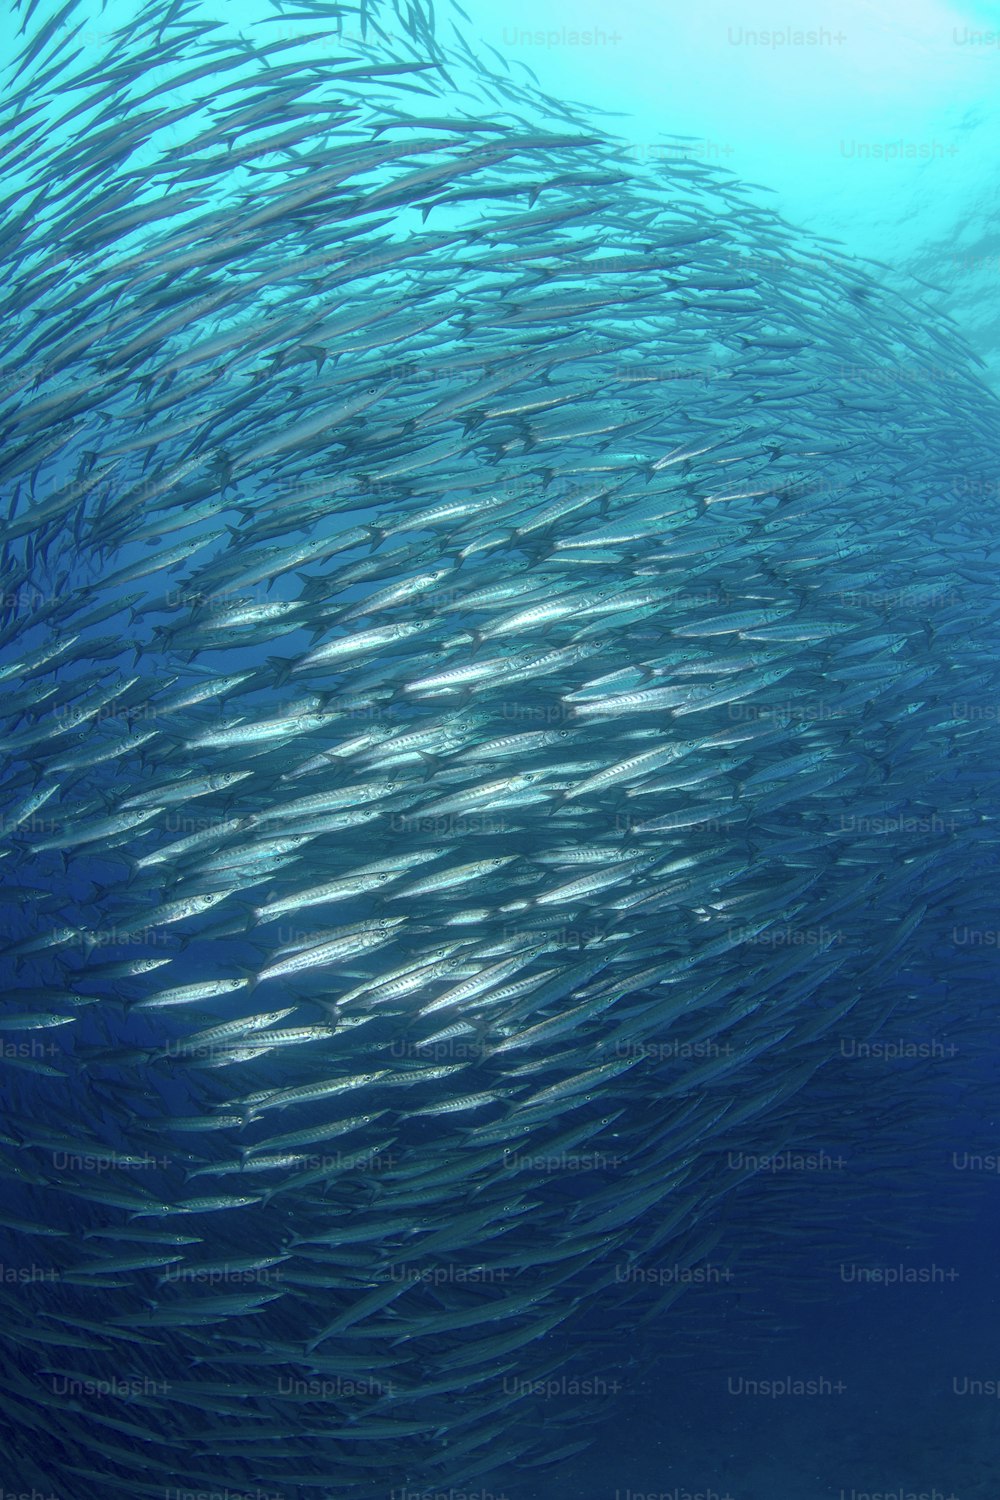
[{"x": 629, "y": 716}]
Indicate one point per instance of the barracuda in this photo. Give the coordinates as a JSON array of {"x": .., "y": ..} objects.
[{"x": 634, "y": 645}]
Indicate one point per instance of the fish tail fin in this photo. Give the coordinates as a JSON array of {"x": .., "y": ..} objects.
[
  {"x": 281, "y": 666},
  {"x": 330, "y": 1008},
  {"x": 431, "y": 762},
  {"x": 131, "y": 865},
  {"x": 224, "y": 467}
]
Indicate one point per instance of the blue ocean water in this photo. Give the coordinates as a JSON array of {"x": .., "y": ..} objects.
[
  {"x": 870, "y": 122},
  {"x": 821, "y": 1327},
  {"x": 874, "y": 125}
]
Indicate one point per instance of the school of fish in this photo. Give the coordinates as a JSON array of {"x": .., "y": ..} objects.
[{"x": 495, "y": 681}]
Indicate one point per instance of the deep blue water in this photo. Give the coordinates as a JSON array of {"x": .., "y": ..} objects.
[{"x": 856, "y": 1270}]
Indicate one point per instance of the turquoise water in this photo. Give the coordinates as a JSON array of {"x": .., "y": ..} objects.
[
  {"x": 870, "y": 122},
  {"x": 498, "y": 643}
]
